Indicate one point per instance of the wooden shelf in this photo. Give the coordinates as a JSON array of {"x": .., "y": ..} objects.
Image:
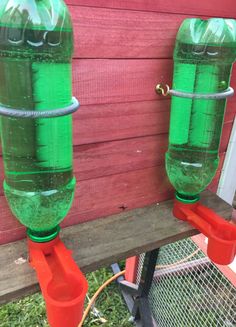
[{"x": 102, "y": 242}]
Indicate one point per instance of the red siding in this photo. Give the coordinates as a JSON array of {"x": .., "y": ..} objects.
[
  {"x": 112, "y": 33},
  {"x": 218, "y": 8},
  {"x": 121, "y": 129}
]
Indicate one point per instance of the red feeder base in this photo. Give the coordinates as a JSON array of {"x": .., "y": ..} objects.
[
  {"x": 63, "y": 285},
  {"x": 221, "y": 234}
]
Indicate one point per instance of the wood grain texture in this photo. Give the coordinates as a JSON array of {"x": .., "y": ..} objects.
[
  {"x": 101, "y": 197},
  {"x": 107, "y": 119},
  {"x": 109, "y": 122},
  {"x": 102, "y": 81},
  {"x": 115, "y": 157},
  {"x": 104, "y": 196},
  {"x": 101, "y": 242},
  {"x": 117, "y": 121},
  {"x": 109, "y": 194},
  {"x": 191, "y": 7},
  {"x": 108, "y": 158},
  {"x": 109, "y": 33}
]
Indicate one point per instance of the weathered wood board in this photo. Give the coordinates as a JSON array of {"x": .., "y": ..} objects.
[{"x": 101, "y": 242}]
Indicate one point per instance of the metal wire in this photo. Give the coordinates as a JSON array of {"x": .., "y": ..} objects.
[
  {"x": 210, "y": 96},
  {"x": 17, "y": 113},
  {"x": 140, "y": 267},
  {"x": 192, "y": 294},
  {"x": 165, "y": 90}
]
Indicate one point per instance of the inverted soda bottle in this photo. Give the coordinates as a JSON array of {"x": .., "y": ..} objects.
[
  {"x": 36, "y": 46},
  {"x": 203, "y": 57}
]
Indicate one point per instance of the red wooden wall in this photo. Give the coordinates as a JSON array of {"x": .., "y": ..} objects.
[{"x": 122, "y": 50}]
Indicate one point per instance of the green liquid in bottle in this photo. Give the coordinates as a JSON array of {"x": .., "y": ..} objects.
[
  {"x": 35, "y": 74},
  {"x": 202, "y": 65}
]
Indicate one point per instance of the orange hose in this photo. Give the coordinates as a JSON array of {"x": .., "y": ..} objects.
[
  {"x": 176, "y": 263},
  {"x": 121, "y": 273},
  {"x": 93, "y": 299}
]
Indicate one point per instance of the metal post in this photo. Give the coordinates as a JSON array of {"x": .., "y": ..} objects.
[{"x": 141, "y": 310}]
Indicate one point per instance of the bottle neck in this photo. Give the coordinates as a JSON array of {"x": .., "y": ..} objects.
[
  {"x": 187, "y": 198},
  {"x": 42, "y": 237}
]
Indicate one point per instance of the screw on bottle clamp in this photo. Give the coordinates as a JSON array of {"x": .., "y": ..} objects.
[
  {"x": 17, "y": 113},
  {"x": 165, "y": 91}
]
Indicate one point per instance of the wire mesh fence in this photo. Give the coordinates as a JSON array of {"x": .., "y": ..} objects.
[
  {"x": 140, "y": 267},
  {"x": 188, "y": 290}
]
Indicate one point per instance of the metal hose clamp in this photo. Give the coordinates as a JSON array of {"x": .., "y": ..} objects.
[
  {"x": 17, "y": 113},
  {"x": 165, "y": 90}
]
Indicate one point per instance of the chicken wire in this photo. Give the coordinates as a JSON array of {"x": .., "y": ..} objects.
[
  {"x": 189, "y": 291},
  {"x": 140, "y": 267}
]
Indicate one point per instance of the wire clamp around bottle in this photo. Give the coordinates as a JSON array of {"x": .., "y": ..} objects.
[
  {"x": 165, "y": 90},
  {"x": 17, "y": 113}
]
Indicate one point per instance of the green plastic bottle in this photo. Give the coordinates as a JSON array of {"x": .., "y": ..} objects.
[
  {"x": 36, "y": 46},
  {"x": 204, "y": 53}
]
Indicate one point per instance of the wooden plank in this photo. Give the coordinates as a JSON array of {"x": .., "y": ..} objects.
[
  {"x": 102, "y": 159},
  {"x": 10, "y": 229},
  {"x": 118, "y": 157},
  {"x": 102, "y": 81},
  {"x": 109, "y": 158},
  {"x": 108, "y": 122},
  {"x": 105, "y": 196},
  {"x": 112, "y": 122},
  {"x": 191, "y": 7},
  {"x": 101, "y": 197},
  {"x": 109, "y": 33},
  {"x": 102, "y": 242}
]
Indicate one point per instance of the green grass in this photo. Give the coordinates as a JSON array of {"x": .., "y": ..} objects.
[{"x": 109, "y": 311}]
